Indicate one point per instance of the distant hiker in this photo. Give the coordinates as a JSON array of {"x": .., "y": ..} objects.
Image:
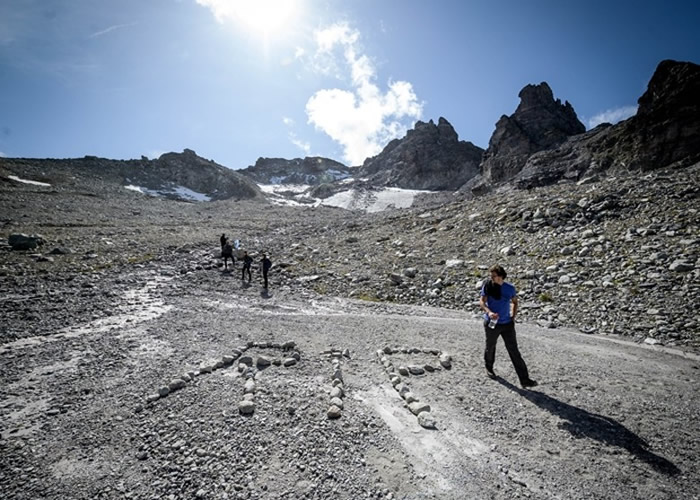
[
  {"x": 227, "y": 253},
  {"x": 496, "y": 299},
  {"x": 223, "y": 242},
  {"x": 266, "y": 265},
  {"x": 247, "y": 261}
]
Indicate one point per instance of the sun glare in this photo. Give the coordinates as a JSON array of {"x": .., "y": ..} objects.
[{"x": 266, "y": 17}]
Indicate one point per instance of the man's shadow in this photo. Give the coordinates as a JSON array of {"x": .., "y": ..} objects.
[{"x": 606, "y": 430}]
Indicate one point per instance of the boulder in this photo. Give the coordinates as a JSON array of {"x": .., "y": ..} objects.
[{"x": 21, "y": 241}]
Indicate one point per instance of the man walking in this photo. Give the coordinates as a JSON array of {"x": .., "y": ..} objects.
[
  {"x": 497, "y": 296},
  {"x": 266, "y": 265},
  {"x": 247, "y": 261},
  {"x": 227, "y": 253}
]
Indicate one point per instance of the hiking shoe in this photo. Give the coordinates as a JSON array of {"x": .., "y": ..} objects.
[
  {"x": 529, "y": 383},
  {"x": 490, "y": 373}
]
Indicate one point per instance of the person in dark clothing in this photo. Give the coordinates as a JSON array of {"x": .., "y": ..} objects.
[
  {"x": 247, "y": 261},
  {"x": 496, "y": 300},
  {"x": 266, "y": 265},
  {"x": 223, "y": 240},
  {"x": 227, "y": 253}
]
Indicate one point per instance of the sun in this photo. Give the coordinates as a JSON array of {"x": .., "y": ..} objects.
[{"x": 267, "y": 18}]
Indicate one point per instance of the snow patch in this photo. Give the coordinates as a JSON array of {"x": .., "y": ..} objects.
[
  {"x": 373, "y": 201},
  {"x": 181, "y": 192},
  {"x": 25, "y": 181}
]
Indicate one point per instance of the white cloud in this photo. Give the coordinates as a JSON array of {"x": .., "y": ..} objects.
[
  {"x": 362, "y": 119},
  {"x": 303, "y": 145},
  {"x": 612, "y": 116},
  {"x": 111, "y": 28}
]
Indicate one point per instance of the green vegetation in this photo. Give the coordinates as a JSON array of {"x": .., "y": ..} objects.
[
  {"x": 367, "y": 297},
  {"x": 545, "y": 297},
  {"x": 140, "y": 259}
]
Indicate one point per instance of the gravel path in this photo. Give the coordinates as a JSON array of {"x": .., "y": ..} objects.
[{"x": 81, "y": 419}]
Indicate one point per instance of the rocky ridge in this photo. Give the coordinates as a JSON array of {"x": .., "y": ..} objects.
[
  {"x": 430, "y": 157},
  {"x": 665, "y": 132},
  {"x": 179, "y": 176},
  {"x": 311, "y": 170}
]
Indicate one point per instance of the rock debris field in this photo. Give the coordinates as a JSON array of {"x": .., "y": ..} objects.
[{"x": 134, "y": 366}]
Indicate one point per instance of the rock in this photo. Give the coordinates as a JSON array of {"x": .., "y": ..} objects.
[
  {"x": 416, "y": 370},
  {"x": 21, "y": 241},
  {"x": 336, "y": 392},
  {"x": 446, "y": 361},
  {"x": 289, "y": 362},
  {"x": 337, "y": 402},
  {"x": 410, "y": 272},
  {"x": 409, "y": 397},
  {"x": 680, "y": 266},
  {"x": 249, "y": 387},
  {"x": 263, "y": 361},
  {"x": 176, "y": 384},
  {"x": 426, "y": 419},
  {"x": 61, "y": 251},
  {"x": 164, "y": 391},
  {"x": 395, "y": 279},
  {"x": 246, "y": 407},
  {"x": 417, "y": 407},
  {"x": 334, "y": 412}
]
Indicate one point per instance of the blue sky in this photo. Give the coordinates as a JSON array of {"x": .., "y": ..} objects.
[{"x": 237, "y": 80}]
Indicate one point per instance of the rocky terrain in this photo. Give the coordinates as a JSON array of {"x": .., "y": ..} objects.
[{"x": 134, "y": 366}]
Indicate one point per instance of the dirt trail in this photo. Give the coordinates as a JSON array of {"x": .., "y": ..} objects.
[{"x": 608, "y": 420}]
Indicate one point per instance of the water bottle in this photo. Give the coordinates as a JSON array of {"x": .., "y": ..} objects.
[{"x": 493, "y": 322}]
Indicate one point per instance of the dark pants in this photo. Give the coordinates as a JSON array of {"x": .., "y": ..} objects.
[
  {"x": 265, "y": 277},
  {"x": 226, "y": 258},
  {"x": 507, "y": 331},
  {"x": 245, "y": 268}
]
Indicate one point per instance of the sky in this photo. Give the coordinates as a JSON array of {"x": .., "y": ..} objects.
[{"x": 238, "y": 80}]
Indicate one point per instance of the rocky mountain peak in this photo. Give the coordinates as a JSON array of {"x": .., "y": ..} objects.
[
  {"x": 533, "y": 96},
  {"x": 674, "y": 87},
  {"x": 311, "y": 170},
  {"x": 429, "y": 157},
  {"x": 664, "y": 132},
  {"x": 539, "y": 123}
]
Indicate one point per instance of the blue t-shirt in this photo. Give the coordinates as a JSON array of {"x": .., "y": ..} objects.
[{"x": 502, "y": 305}]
